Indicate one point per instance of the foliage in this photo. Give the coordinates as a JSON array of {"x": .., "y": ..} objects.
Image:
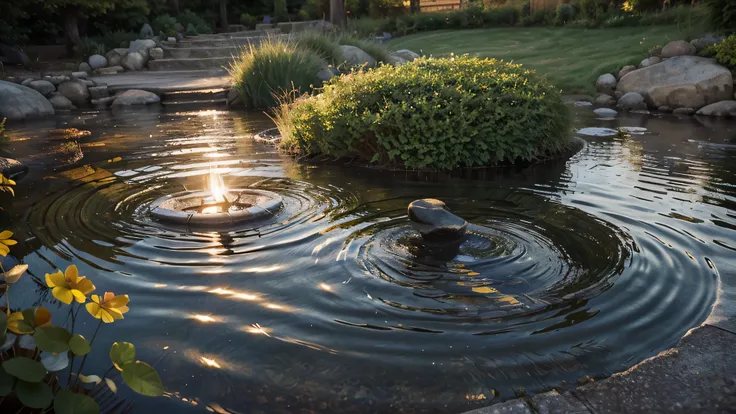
[
  {"x": 430, "y": 113},
  {"x": 88, "y": 47},
  {"x": 374, "y": 50},
  {"x": 323, "y": 45},
  {"x": 592, "y": 9},
  {"x": 115, "y": 39},
  {"x": 280, "y": 12},
  {"x": 722, "y": 14},
  {"x": 273, "y": 68},
  {"x": 191, "y": 30},
  {"x": 542, "y": 17},
  {"x": 3, "y": 137},
  {"x": 316, "y": 9},
  {"x": 189, "y": 17},
  {"x": 724, "y": 52},
  {"x": 565, "y": 13},
  {"x": 164, "y": 23},
  {"x": 248, "y": 20}
]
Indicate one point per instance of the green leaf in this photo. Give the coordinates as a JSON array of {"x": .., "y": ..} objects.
[
  {"x": 29, "y": 315},
  {"x": 79, "y": 345},
  {"x": 54, "y": 339},
  {"x": 67, "y": 402},
  {"x": 34, "y": 395},
  {"x": 6, "y": 383},
  {"x": 121, "y": 353},
  {"x": 143, "y": 379},
  {"x": 25, "y": 369}
]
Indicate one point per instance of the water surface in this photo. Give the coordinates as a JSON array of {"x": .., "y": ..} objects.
[{"x": 572, "y": 268}]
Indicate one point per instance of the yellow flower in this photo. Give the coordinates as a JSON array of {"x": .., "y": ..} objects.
[
  {"x": 5, "y": 242},
  {"x": 19, "y": 325},
  {"x": 109, "y": 308},
  {"x": 69, "y": 285}
]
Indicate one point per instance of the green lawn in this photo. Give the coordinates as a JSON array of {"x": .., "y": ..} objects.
[{"x": 572, "y": 59}]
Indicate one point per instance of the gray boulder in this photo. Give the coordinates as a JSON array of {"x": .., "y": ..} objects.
[
  {"x": 605, "y": 112},
  {"x": 605, "y": 100},
  {"x": 57, "y": 80},
  {"x": 141, "y": 46},
  {"x": 27, "y": 82},
  {"x": 13, "y": 56},
  {"x": 75, "y": 91},
  {"x": 406, "y": 54},
  {"x": 146, "y": 31},
  {"x": 115, "y": 56},
  {"x": 80, "y": 75},
  {"x": 705, "y": 41},
  {"x": 681, "y": 82},
  {"x": 434, "y": 221},
  {"x": 42, "y": 86},
  {"x": 12, "y": 169},
  {"x": 631, "y": 101},
  {"x": 606, "y": 83},
  {"x": 97, "y": 61},
  {"x": 156, "y": 53},
  {"x": 626, "y": 69},
  {"x": 683, "y": 111},
  {"x": 664, "y": 109},
  {"x": 356, "y": 57},
  {"x": 61, "y": 102},
  {"x": 650, "y": 61},
  {"x": 111, "y": 70},
  {"x": 84, "y": 67},
  {"x": 19, "y": 102},
  {"x": 135, "y": 97},
  {"x": 396, "y": 61},
  {"x": 326, "y": 74},
  {"x": 723, "y": 108},
  {"x": 678, "y": 48},
  {"x": 134, "y": 61},
  {"x": 171, "y": 39}
]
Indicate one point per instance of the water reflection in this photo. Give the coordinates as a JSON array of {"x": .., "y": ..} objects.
[{"x": 571, "y": 268}]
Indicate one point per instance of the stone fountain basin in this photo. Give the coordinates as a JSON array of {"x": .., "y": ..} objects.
[{"x": 252, "y": 205}]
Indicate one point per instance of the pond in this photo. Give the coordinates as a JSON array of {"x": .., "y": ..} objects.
[{"x": 572, "y": 268}]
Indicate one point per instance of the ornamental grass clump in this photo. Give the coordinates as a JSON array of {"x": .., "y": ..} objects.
[
  {"x": 431, "y": 114},
  {"x": 273, "y": 68}
]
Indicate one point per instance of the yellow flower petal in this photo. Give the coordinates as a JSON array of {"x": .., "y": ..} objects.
[
  {"x": 106, "y": 316},
  {"x": 4, "y": 250},
  {"x": 118, "y": 301},
  {"x": 63, "y": 294},
  {"x": 95, "y": 299},
  {"x": 123, "y": 309},
  {"x": 42, "y": 317},
  {"x": 55, "y": 279},
  {"x": 8, "y": 242},
  {"x": 72, "y": 273},
  {"x": 79, "y": 296},
  {"x": 14, "y": 324},
  {"x": 6, "y": 234},
  {"x": 85, "y": 286},
  {"x": 94, "y": 309}
]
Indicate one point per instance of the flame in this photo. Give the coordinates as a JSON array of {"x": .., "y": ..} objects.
[{"x": 217, "y": 186}]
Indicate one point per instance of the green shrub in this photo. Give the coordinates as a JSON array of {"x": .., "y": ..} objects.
[
  {"x": 501, "y": 16},
  {"x": 366, "y": 27},
  {"x": 191, "y": 30},
  {"x": 430, "y": 113},
  {"x": 724, "y": 52},
  {"x": 115, "y": 39},
  {"x": 540, "y": 17},
  {"x": 722, "y": 14},
  {"x": 565, "y": 14},
  {"x": 248, "y": 20},
  {"x": 280, "y": 13},
  {"x": 323, "y": 45},
  {"x": 189, "y": 17},
  {"x": 274, "y": 68},
  {"x": 622, "y": 20},
  {"x": 164, "y": 23},
  {"x": 374, "y": 50},
  {"x": 3, "y": 137},
  {"x": 87, "y": 47},
  {"x": 429, "y": 21},
  {"x": 592, "y": 9}
]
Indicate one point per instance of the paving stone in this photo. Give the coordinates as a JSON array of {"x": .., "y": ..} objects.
[
  {"x": 509, "y": 407},
  {"x": 553, "y": 403}
]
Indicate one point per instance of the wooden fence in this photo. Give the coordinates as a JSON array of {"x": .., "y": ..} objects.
[
  {"x": 535, "y": 5},
  {"x": 439, "y": 5}
]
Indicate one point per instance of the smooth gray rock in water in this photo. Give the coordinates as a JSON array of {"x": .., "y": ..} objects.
[
  {"x": 723, "y": 109},
  {"x": 605, "y": 112},
  {"x": 626, "y": 69},
  {"x": 136, "y": 97},
  {"x": 606, "y": 83},
  {"x": 650, "y": 61},
  {"x": 27, "y": 82},
  {"x": 406, "y": 54},
  {"x": 605, "y": 100},
  {"x": 631, "y": 101},
  {"x": 115, "y": 56},
  {"x": 84, "y": 67},
  {"x": 106, "y": 101},
  {"x": 134, "y": 61},
  {"x": 683, "y": 111},
  {"x": 681, "y": 82},
  {"x": 75, "y": 91},
  {"x": 664, "y": 109},
  {"x": 97, "y": 92},
  {"x": 678, "y": 48},
  {"x": 11, "y": 168},
  {"x": 705, "y": 41},
  {"x": 434, "y": 221},
  {"x": 356, "y": 57},
  {"x": 234, "y": 98},
  {"x": 97, "y": 61},
  {"x": 19, "y": 102},
  {"x": 156, "y": 53},
  {"x": 61, "y": 102},
  {"x": 146, "y": 31},
  {"x": 42, "y": 86}
]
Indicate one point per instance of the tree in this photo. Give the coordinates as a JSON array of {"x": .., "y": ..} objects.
[{"x": 337, "y": 13}]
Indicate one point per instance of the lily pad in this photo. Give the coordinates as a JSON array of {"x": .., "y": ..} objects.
[
  {"x": 143, "y": 379},
  {"x": 52, "y": 339},
  {"x": 79, "y": 345},
  {"x": 25, "y": 369},
  {"x": 122, "y": 353},
  {"x": 67, "y": 402},
  {"x": 34, "y": 394},
  {"x": 6, "y": 383}
]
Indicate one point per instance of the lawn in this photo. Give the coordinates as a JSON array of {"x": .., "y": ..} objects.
[{"x": 571, "y": 59}]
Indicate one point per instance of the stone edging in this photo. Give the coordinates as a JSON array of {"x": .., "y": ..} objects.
[{"x": 696, "y": 376}]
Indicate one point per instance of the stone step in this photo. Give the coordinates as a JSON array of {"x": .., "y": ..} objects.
[
  {"x": 201, "y": 52},
  {"x": 195, "y": 95},
  {"x": 235, "y": 41},
  {"x": 176, "y": 64},
  {"x": 246, "y": 33}
]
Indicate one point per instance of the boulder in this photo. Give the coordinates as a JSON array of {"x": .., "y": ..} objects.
[
  {"x": 396, "y": 61},
  {"x": 97, "y": 61},
  {"x": 115, "y": 56},
  {"x": 57, "y": 80},
  {"x": 631, "y": 101},
  {"x": 14, "y": 56},
  {"x": 683, "y": 111},
  {"x": 681, "y": 82},
  {"x": 605, "y": 100},
  {"x": 723, "y": 108},
  {"x": 356, "y": 57},
  {"x": 171, "y": 39},
  {"x": 42, "y": 86},
  {"x": 705, "y": 41},
  {"x": 406, "y": 54},
  {"x": 234, "y": 98},
  {"x": 146, "y": 31},
  {"x": 434, "y": 221},
  {"x": 61, "y": 102},
  {"x": 111, "y": 70},
  {"x": 678, "y": 48},
  {"x": 27, "y": 82},
  {"x": 626, "y": 69},
  {"x": 134, "y": 61},
  {"x": 605, "y": 112},
  {"x": 617, "y": 95},
  {"x": 11, "y": 168},
  {"x": 141, "y": 46},
  {"x": 75, "y": 91},
  {"x": 606, "y": 83},
  {"x": 649, "y": 61},
  {"x": 84, "y": 67},
  {"x": 20, "y": 102},
  {"x": 106, "y": 101},
  {"x": 135, "y": 97},
  {"x": 79, "y": 75},
  {"x": 156, "y": 53},
  {"x": 326, "y": 74},
  {"x": 664, "y": 109}
]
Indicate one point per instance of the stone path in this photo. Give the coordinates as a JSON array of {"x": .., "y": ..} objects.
[
  {"x": 164, "y": 82},
  {"x": 697, "y": 376}
]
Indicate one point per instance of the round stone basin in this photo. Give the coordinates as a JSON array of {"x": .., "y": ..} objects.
[{"x": 201, "y": 207}]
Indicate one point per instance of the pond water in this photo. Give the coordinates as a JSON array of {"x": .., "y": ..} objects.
[{"x": 575, "y": 267}]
